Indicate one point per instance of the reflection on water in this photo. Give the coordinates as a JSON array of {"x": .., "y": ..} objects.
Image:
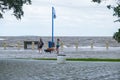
[{"x": 50, "y": 70}]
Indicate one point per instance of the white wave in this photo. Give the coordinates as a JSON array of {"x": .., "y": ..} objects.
[
  {"x": 88, "y": 48},
  {"x": 2, "y": 39}
]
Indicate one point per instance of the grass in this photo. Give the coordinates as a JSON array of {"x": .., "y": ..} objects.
[
  {"x": 45, "y": 58},
  {"x": 82, "y": 59}
]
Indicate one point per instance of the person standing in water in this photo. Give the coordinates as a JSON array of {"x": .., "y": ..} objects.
[
  {"x": 40, "y": 45},
  {"x": 57, "y": 45}
]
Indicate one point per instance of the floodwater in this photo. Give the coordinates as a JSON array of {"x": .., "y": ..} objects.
[
  {"x": 67, "y": 40},
  {"x": 20, "y": 69}
]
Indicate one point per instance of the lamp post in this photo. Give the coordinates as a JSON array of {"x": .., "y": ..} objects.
[
  {"x": 52, "y": 24},
  {"x": 51, "y": 43},
  {"x": 53, "y": 17}
]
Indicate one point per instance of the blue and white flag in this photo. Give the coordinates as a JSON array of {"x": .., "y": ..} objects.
[{"x": 53, "y": 13}]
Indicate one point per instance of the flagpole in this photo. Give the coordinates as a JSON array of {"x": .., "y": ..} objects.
[{"x": 52, "y": 25}]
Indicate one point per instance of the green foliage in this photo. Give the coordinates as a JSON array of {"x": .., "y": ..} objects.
[
  {"x": 116, "y": 36},
  {"x": 98, "y": 1},
  {"x": 116, "y": 8},
  {"x": 15, "y": 5}
]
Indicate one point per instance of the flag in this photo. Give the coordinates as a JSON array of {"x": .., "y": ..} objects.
[{"x": 53, "y": 13}]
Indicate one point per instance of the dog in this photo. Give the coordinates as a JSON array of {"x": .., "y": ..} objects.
[{"x": 49, "y": 50}]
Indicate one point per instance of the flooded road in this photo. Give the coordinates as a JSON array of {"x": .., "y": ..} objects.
[{"x": 20, "y": 69}]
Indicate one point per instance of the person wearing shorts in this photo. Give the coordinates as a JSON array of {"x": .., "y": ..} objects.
[
  {"x": 40, "y": 45},
  {"x": 58, "y": 45}
]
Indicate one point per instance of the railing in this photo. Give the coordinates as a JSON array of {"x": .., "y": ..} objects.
[{"x": 33, "y": 45}]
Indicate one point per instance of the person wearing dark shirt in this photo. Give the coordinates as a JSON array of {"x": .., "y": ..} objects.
[{"x": 40, "y": 45}]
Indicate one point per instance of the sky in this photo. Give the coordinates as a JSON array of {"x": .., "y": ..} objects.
[{"x": 74, "y": 18}]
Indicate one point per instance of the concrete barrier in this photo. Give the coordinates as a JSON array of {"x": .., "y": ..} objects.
[{"x": 61, "y": 58}]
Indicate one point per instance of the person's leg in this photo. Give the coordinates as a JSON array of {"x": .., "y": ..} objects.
[
  {"x": 39, "y": 50},
  {"x": 57, "y": 49}
]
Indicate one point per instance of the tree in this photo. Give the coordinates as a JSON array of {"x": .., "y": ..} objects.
[
  {"x": 116, "y": 36},
  {"x": 15, "y": 5},
  {"x": 116, "y": 8}
]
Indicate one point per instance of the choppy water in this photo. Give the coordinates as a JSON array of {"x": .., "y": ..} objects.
[
  {"x": 68, "y": 41},
  {"x": 50, "y": 70}
]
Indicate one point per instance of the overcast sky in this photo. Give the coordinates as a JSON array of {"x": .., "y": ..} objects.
[{"x": 74, "y": 18}]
